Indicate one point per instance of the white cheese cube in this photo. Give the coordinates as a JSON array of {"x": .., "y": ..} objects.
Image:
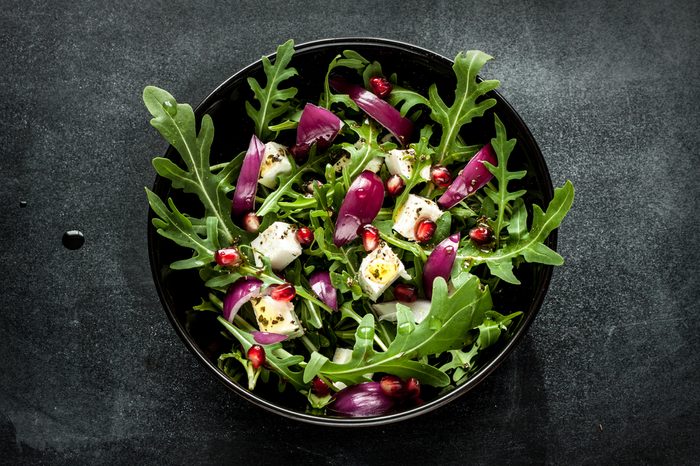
[
  {"x": 401, "y": 162},
  {"x": 379, "y": 269},
  {"x": 373, "y": 165},
  {"x": 342, "y": 355},
  {"x": 279, "y": 244},
  {"x": 419, "y": 308},
  {"x": 275, "y": 316},
  {"x": 275, "y": 162},
  {"x": 414, "y": 209}
]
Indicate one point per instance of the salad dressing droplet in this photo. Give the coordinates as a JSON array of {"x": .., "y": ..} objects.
[
  {"x": 170, "y": 107},
  {"x": 73, "y": 239}
]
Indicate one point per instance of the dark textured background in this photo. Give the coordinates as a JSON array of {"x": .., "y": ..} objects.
[{"x": 90, "y": 369}]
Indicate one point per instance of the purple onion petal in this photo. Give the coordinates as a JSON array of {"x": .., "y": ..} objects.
[
  {"x": 247, "y": 184},
  {"x": 268, "y": 338},
  {"x": 238, "y": 294},
  {"x": 361, "y": 400},
  {"x": 474, "y": 176},
  {"x": 379, "y": 109},
  {"x": 440, "y": 262},
  {"x": 321, "y": 285},
  {"x": 360, "y": 206},
  {"x": 317, "y": 125}
]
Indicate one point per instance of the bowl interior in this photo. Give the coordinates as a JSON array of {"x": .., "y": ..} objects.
[{"x": 418, "y": 69}]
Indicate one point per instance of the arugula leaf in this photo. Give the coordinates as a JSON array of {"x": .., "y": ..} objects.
[
  {"x": 423, "y": 158},
  {"x": 465, "y": 107},
  {"x": 283, "y": 365},
  {"x": 528, "y": 245},
  {"x": 273, "y": 101},
  {"x": 176, "y": 123},
  {"x": 445, "y": 328},
  {"x": 409, "y": 98},
  {"x": 364, "y": 150},
  {"x": 176, "y": 227},
  {"x": 349, "y": 59},
  {"x": 502, "y": 197}
]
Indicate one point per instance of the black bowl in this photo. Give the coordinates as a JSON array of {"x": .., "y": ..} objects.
[{"x": 180, "y": 290}]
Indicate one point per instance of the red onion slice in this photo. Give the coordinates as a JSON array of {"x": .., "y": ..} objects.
[
  {"x": 317, "y": 125},
  {"x": 238, "y": 294},
  {"x": 321, "y": 285},
  {"x": 379, "y": 109},
  {"x": 474, "y": 176},
  {"x": 360, "y": 206},
  {"x": 247, "y": 184},
  {"x": 440, "y": 262},
  {"x": 268, "y": 338},
  {"x": 361, "y": 400}
]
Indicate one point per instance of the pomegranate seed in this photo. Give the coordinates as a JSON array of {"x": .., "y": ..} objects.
[
  {"x": 481, "y": 234},
  {"x": 425, "y": 229},
  {"x": 380, "y": 86},
  {"x": 283, "y": 292},
  {"x": 395, "y": 185},
  {"x": 412, "y": 387},
  {"x": 370, "y": 237},
  {"x": 305, "y": 236},
  {"x": 228, "y": 257},
  {"x": 256, "y": 356},
  {"x": 441, "y": 176},
  {"x": 392, "y": 386},
  {"x": 251, "y": 222},
  {"x": 405, "y": 293},
  {"x": 319, "y": 387}
]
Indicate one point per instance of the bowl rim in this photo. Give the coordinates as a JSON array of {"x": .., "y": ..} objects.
[{"x": 441, "y": 401}]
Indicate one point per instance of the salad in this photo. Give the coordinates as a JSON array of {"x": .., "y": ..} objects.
[{"x": 352, "y": 249}]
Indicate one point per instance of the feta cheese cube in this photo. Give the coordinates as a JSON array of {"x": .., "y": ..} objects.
[
  {"x": 342, "y": 355},
  {"x": 374, "y": 165},
  {"x": 414, "y": 209},
  {"x": 275, "y": 162},
  {"x": 401, "y": 162},
  {"x": 279, "y": 244},
  {"x": 275, "y": 316},
  {"x": 419, "y": 308},
  {"x": 379, "y": 269}
]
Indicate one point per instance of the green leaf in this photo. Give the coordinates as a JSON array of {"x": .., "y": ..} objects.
[
  {"x": 349, "y": 59},
  {"x": 528, "y": 246},
  {"x": 423, "y": 159},
  {"x": 446, "y": 327},
  {"x": 502, "y": 197},
  {"x": 409, "y": 98},
  {"x": 176, "y": 123},
  {"x": 273, "y": 101},
  {"x": 364, "y": 150},
  {"x": 517, "y": 226},
  {"x": 465, "y": 106},
  {"x": 176, "y": 227},
  {"x": 316, "y": 361},
  {"x": 281, "y": 365}
]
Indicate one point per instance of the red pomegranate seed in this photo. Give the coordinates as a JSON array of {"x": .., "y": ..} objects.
[
  {"x": 305, "y": 236},
  {"x": 481, "y": 234},
  {"x": 370, "y": 237},
  {"x": 425, "y": 229},
  {"x": 319, "y": 387},
  {"x": 380, "y": 86},
  {"x": 392, "y": 386},
  {"x": 395, "y": 185},
  {"x": 256, "y": 356},
  {"x": 251, "y": 222},
  {"x": 405, "y": 293},
  {"x": 441, "y": 176},
  {"x": 228, "y": 257},
  {"x": 283, "y": 292},
  {"x": 412, "y": 387}
]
